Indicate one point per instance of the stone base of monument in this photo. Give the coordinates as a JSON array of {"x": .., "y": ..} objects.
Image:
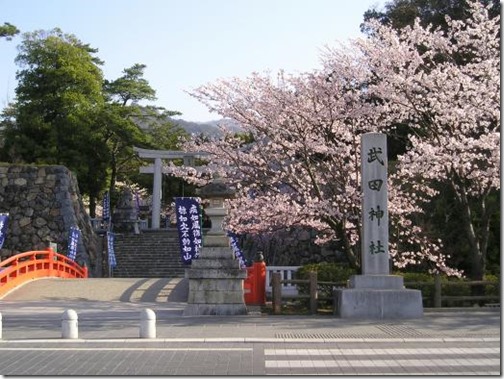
[
  {"x": 377, "y": 297},
  {"x": 215, "y": 284}
]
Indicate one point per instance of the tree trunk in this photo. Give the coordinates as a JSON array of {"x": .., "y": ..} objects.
[
  {"x": 477, "y": 257},
  {"x": 92, "y": 206},
  {"x": 352, "y": 253},
  {"x": 113, "y": 177},
  {"x": 477, "y": 247},
  {"x": 353, "y": 257}
]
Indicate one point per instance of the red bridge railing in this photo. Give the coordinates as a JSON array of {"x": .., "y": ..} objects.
[{"x": 23, "y": 267}]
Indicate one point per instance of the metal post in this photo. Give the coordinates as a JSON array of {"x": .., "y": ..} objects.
[{"x": 276, "y": 292}]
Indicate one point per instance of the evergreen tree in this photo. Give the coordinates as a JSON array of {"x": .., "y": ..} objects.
[{"x": 58, "y": 98}]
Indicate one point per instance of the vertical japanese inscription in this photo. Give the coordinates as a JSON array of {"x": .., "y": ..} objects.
[
  {"x": 374, "y": 242},
  {"x": 189, "y": 227}
]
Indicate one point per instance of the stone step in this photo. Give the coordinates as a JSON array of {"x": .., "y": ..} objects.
[{"x": 148, "y": 254}]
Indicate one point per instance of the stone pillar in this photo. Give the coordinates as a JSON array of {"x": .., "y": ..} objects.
[
  {"x": 215, "y": 278},
  {"x": 375, "y": 294},
  {"x": 374, "y": 242},
  {"x": 156, "y": 194}
]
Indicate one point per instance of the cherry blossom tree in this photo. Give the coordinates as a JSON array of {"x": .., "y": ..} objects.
[
  {"x": 297, "y": 162},
  {"x": 453, "y": 108}
]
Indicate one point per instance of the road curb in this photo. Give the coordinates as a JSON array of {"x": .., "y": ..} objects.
[{"x": 247, "y": 340}]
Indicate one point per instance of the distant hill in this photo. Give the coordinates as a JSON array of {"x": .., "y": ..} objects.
[{"x": 209, "y": 128}]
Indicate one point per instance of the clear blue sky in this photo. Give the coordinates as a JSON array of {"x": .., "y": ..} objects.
[{"x": 188, "y": 43}]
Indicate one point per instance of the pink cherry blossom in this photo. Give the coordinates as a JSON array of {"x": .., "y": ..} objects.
[{"x": 297, "y": 162}]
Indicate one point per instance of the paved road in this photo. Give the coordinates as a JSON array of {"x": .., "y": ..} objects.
[
  {"x": 259, "y": 358},
  {"x": 462, "y": 342}
]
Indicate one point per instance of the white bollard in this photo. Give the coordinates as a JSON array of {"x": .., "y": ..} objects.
[
  {"x": 69, "y": 324},
  {"x": 147, "y": 323}
]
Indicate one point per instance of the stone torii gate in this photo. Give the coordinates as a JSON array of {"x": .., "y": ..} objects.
[{"x": 157, "y": 170}]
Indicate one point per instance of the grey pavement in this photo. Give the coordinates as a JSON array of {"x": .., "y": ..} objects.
[
  {"x": 110, "y": 309},
  {"x": 444, "y": 341},
  {"x": 115, "y": 320}
]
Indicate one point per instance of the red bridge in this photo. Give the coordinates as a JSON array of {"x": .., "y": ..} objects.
[{"x": 24, "y": 267}]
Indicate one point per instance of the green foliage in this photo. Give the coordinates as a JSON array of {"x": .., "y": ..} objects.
[
  {"x": 8, "y": 31},
  {"x": 336, "y": 273},
  {"x": 326, "y": 272},
  {"x": 66, "y": 113},
  {"x": 420, "y": 281},
  {"x": 401, "y": 13},
  {"x": 454, "y": 286},
  {"x": 460, "y": 287},
  {"x": 127, "y": 124},
  {"x": 492, "y": 289},
  {"x": 130, "y": 87},
  {"x": 442, "y": 218},
  {"x": 450, "y": 286},
  {"x": 59, "y": 96}
]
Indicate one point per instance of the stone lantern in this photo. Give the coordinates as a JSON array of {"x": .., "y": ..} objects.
[
  {"x": 216, "y": 192},
  {"x": 125, "y": 216},
  {"x": 215, "y": 278}
]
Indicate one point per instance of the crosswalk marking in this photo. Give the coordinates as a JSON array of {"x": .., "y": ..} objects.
[
  {"x": 384, "y": 361},
  {"x": 379, "y": 351},
  {"x": 380, "y": 363}
]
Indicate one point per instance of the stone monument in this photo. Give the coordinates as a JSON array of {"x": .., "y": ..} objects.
[
  {"x": 125, "y": 217},
  {"x": 376, "y": 294},
  {"x": 215, "y": 278}
]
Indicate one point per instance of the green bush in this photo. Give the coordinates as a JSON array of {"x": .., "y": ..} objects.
[
  {"x": 326, "y": 272},
  {"x": 335, "y": 273},
  {"x": 420, "y": 281},
  {"x": 416, "y": 277},
  {"x": 450, "y": 286},
  {"x": 338, "y": 274},
  {"x": 492, "y": 289}
]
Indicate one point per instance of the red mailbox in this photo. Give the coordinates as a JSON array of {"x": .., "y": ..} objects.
[{"x": 255, "y": 284}]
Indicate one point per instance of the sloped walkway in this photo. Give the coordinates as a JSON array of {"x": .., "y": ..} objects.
[{"x": 128, "y": 290}]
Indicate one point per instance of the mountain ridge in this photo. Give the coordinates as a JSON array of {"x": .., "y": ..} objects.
[{"x": 207, "y": 128}]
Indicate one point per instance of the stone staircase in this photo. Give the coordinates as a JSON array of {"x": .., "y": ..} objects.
[{"x": 150, "y": 254}]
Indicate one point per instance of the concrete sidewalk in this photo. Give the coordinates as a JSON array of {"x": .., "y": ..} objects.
[
  {"x": 110, "y": 309},
  {"x": 31, "y": 320},
  {"x": 442, "y": 342}
]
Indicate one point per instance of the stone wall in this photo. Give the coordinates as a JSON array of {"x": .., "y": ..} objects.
[
  {"x": 292, "y": 247},
  {"x": 43, "y": 202}
]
